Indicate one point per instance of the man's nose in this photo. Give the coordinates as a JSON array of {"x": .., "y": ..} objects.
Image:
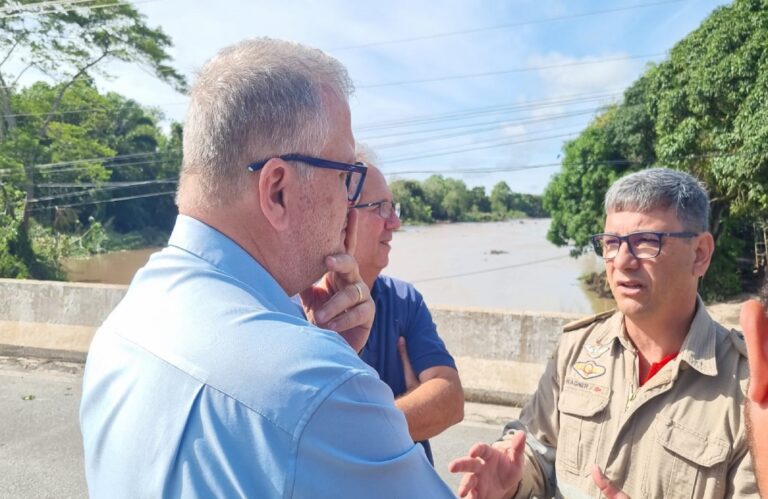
[
  {"x": 624, "y": 258},
  {"x": 393, "y": 222}
]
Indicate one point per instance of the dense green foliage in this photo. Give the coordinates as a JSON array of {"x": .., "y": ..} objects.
[
  {"x": 703, "y": 110},
  {"x": 440, "y": 199},
  {"x": 64, "y": 146}
]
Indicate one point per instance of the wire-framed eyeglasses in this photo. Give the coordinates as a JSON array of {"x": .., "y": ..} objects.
[
  {"x": 642, "y": 245},
  {"x": 355, "y": 172},
  {"x": 386, "y": 208}
]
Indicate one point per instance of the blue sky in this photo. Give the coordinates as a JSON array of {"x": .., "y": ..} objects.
[{"x": 552, "y": 64}]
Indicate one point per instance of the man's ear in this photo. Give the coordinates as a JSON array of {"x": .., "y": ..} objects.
[
  {"x": 705, "y": 247},
  {"x": 274, "y": 177}
]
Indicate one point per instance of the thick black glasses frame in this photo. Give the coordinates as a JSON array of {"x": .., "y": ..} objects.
[
  {"x": 351, "y": 169},
  {"x": 625, "y": 239}
]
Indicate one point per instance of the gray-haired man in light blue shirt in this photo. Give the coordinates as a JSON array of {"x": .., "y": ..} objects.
[{"x": 206, "y": 380}]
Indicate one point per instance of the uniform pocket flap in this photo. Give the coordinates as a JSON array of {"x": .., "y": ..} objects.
[
  {"x": 702, "y": 449},
  {"x": 584, "y": 402}
]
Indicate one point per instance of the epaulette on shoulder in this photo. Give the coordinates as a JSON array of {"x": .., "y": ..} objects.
[
  {"x": 580, "y": 323},
  {"x": 738, "y": 341}
]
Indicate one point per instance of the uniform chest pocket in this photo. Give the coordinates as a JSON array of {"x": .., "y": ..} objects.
[
  {"x": 686, "y": 459},
  {"x": 581, "y": 422}
]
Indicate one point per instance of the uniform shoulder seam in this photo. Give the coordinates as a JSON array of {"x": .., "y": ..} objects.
[{"x": 586, "y": 321}]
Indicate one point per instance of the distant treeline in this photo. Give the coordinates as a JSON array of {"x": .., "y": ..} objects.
[{"x": 440, "y": 199}]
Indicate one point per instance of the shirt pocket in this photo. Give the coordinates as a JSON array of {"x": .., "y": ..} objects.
[
  {"x": 581, "y": 422},
  {"x": 684, "y": 460}
]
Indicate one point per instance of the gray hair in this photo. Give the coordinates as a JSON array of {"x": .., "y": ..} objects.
[
  {"x": 254, "y": 100},
  {"x": 662, "y": 188},
  {"x": 365, "y": 154}
]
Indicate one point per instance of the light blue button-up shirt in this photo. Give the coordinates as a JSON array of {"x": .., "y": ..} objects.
[{"x": 206, "y": 381}]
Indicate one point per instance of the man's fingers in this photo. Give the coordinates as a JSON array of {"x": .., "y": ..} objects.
[
  {"x": 755, "y": 326},
  {"x": 605, "y": 486},
  {"x": 517, "y": 445},
  {"x": 358, "y": 315},
  {"x": 344, "y": 265},
  {"x": 344, "y": 301},
  {"x": 483, "y": 451},
  {"x": 350, "y": 238},
  {"x": 468, "y": 482},
  {"x": 466, "y": 465}
]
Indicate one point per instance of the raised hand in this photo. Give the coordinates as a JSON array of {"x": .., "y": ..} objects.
[
  {"x": 491, "y": 472},
  {"x": 341, "y": 301}
]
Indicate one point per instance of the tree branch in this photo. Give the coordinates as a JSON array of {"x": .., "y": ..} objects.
[
  {"x": 18, "y": 77},
  {"x": 57, "y": 102},
  {"x": 9, "y": 121},
  {"x": 8, "y": 55}
]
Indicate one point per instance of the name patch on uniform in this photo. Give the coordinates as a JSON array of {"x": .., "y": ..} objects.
[
  {"x": 585, "y": 386},
  {"x": 588, "y": 369},
  {"x": 595, "y": 350}
]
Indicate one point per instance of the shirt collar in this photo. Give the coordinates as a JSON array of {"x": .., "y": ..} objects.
[
  {"x": 210, "y": 245},
  {"x": 699, "y": 346}
]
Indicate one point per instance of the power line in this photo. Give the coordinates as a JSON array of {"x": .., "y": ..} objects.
[
  {"x": 101, "y": 201},
  {"x": 97, "y": 159},
  {"x": 95, "y": 108},
  {"x": 61, "y": 185},
  {"x": 25, "y": 8},
  {"x": 478, "y": 171},
  {"x": 509, "y": 71},
  {"x": 495, "y": 269},
  {"x": 470, "y": 149},
  {"x": 473, "y": 128},
  {"x": 470, "y": 171},
  {"x": 486, "y": 110},
  {"x": 76, "y": 7},
  {"x": 502, "y": 26},
  {"x": 100, "y": 189}
]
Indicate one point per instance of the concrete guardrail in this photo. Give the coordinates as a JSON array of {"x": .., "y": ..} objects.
[{"x": 500, "y": 354}]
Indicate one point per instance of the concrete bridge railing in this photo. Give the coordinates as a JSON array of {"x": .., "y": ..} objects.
[{"x": 500, "y": 354}]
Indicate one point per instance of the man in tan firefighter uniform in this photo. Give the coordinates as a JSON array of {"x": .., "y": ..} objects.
[{"x": 646, "y": 401}]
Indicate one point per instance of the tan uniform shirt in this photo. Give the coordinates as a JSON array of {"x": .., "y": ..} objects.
[{"x": 682, "y": 434}]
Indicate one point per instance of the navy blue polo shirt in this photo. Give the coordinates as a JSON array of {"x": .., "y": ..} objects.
[{"x": 401, "y": 311}]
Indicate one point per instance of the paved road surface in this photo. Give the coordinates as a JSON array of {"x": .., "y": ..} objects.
[{"x": 40, "y": 447}]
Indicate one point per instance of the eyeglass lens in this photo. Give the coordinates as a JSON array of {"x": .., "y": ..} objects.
[
  {"x": 353, "y": 183},
  {"x": 386, "y": 208},
  {"x": 641, "y": 244}
]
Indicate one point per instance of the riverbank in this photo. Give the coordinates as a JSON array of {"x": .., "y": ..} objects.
[{"x": 500, "y": 265}]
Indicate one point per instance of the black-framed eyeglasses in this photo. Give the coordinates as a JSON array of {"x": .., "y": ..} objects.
[
  {"x": 386, "y": 208},
  {"x": 642, "y": 245},
  {"x": 355, "y": 172}
]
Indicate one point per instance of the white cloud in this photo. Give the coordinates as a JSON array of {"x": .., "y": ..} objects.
[
  {"x": 199, "y": 29},
  {"x": 566, "y": 75}
]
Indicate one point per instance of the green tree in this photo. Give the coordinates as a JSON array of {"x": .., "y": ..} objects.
[
  {"x": 435, "y": 189},
  {"x": 457, "y": 202},
  {"x": 702, "y": 111},
  {"x": 478, "y": 200},
  {"x": 69, "y": 45},
  {"x": 501, "y": 197},
  {"x": 413, "y": 205}
]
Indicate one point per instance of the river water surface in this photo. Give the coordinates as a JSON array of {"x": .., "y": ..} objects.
[{"x": 501, "y": 265}]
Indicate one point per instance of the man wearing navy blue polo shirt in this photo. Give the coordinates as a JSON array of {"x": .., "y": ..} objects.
[{"x": 403, "y": 346}]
